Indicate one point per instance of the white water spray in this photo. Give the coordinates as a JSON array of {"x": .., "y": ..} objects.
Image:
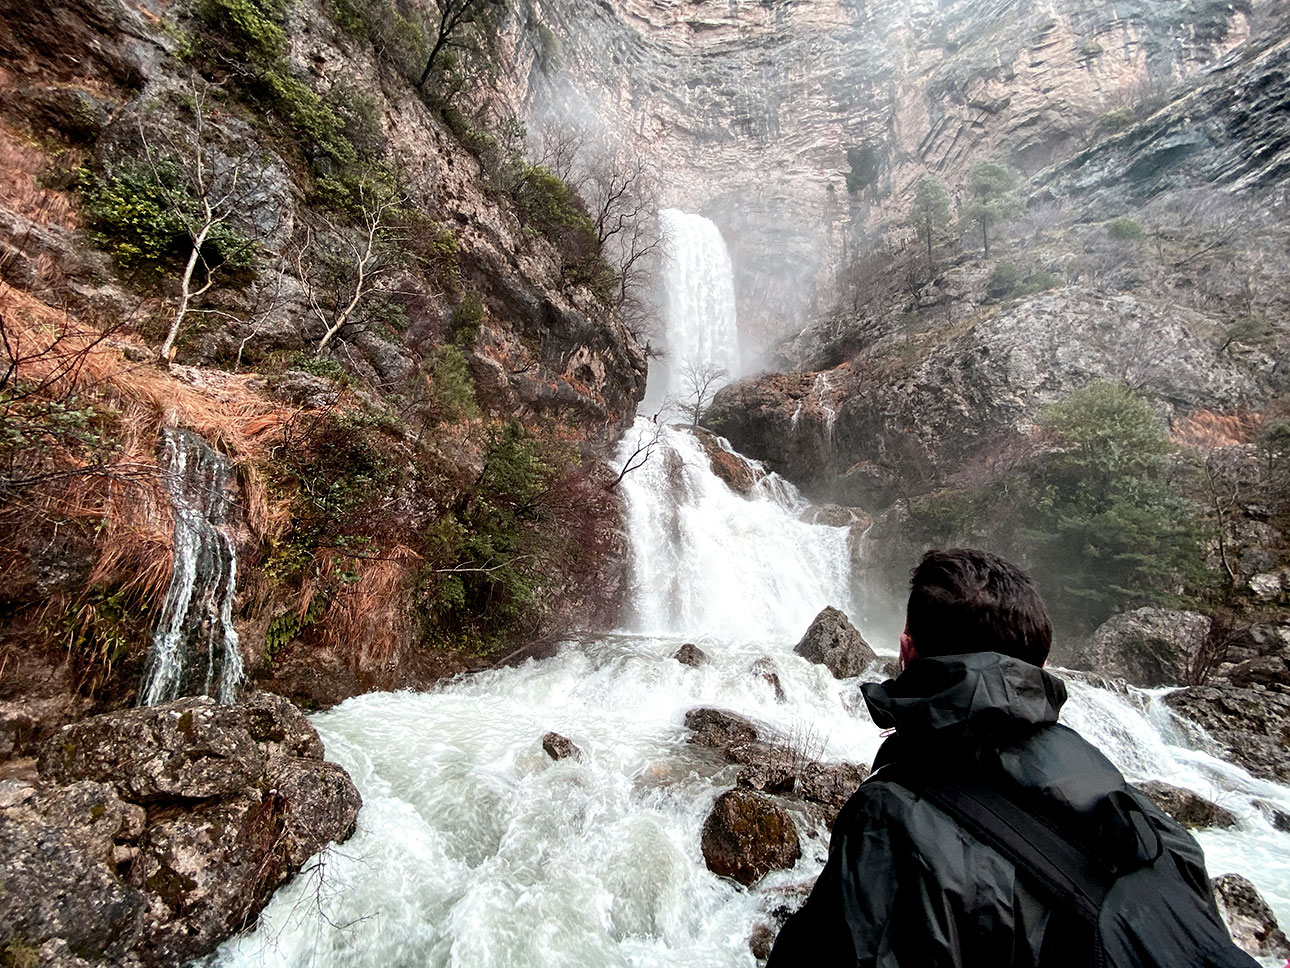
[
  {"x": 195, "y": 648},
  {"x": 699, "y": 303}
]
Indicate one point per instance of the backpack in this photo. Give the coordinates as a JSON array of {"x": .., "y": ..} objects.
[{"x": 1137, "y": 915}]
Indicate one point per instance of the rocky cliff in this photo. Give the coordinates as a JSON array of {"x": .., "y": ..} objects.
[{"x": 800, "y": 127}]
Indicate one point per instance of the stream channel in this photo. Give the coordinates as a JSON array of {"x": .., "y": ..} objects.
[{"x": 476, "y": 850}]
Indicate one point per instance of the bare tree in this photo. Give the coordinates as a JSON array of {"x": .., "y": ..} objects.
[
  {"x": 646, "y": 440},
  {"x": 700, "y": 382},
  {"x": 212, "y": 188},
  {"x": 342, "y": 268},
  {"x": 456, "y": 18}
]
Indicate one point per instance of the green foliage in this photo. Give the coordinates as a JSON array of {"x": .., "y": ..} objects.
[
  {"x": 1251, "y": 330},
  {"x": 1107, "y": 532},
  {"x": 451, "y": 386},
  {"x": 98, "y": 633},
  {"x": 930, "y": 214},
  {"x": 863, "y": 170},
  {"x": 1274, "y": 441},
  {"x": 289, "y": 625},
  {"x": 467, "y": 317},
  {"x": 946, "y": 518},
  {"x": 1006, "y": 280},
  {"x": 143, "y": 218},
  {"x": 318, "y": 366},
  {"x": 486, "y": 561},
  {"x": 20, "y": 953},
  {"x": 1125, "y": 229},
  {"x": 547, "y": 205},
  {"x": 992, "y": 200}
]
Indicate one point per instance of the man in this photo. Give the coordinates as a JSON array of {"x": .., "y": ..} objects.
[{"x": 906, "y": 884}]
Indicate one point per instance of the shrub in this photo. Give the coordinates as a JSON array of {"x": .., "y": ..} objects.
[
  {"x": 141, "y": 217},
  {"x": 1004, "y": 281},
  {"x": 467, "y": 317},
  {"x": 318, "y": 366},
  {"x": 1125, "y": 229},
  {"x": 1113, "y": 122},
  {"x": 451, "y": 385}
]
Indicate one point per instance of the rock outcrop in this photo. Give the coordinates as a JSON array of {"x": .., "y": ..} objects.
[
  {"x": 1147, "y": 646},
  {"x": 560, "y": 747},
  {"x": 1250, "y": 920},
  {"x": 832, "y": 641},
  {"x": 1250, "y": 726},
  {"x": 747, "y": 835},
  {"x": 1189, "y": 809},
  {"x": 155, "y": 833}
]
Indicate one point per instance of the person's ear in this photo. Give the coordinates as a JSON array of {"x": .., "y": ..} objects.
[{"x": 907, "y": 651}]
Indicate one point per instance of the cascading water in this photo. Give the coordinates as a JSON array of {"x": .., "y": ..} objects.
[
  {"x": 699, "y": 304},
  {"x": 195, "y": 649},
  {"x": 475, "y": 850}
]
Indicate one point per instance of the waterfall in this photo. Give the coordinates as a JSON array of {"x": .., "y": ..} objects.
[
  {"x": 699, "y": 304},
  {"x": 194, "y": 645},
  {"x": 475, "y": 849},
  {"x": 709, "y": 562}
]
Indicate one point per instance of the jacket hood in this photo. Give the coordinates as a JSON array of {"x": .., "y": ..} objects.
[{"x": 982, "y": 693}]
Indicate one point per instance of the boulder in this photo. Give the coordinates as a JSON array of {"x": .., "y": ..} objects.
[
  {"x": 1252, "y": 726},
  {"x": 560, "y": 747},
  {"x": 737, "y": 474},
  {"x": 1263, "y": 670},
  {"x": 1187, "y": 808},
  {"x": 153, "y": 834},
  {"x": 747, "y": 835},
  {"x": 1147, "y": 646},
  {"x": 832, "y": 641},
  {"x": 690, "y": 655},
  {"x": 760, "y": 940},
  {"x": 719, "y": 729},
  {"x": 1250, "y": 920}
]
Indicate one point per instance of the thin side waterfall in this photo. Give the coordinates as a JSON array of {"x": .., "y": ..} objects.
[
  {"x": 195, "y": 650},
  {"x": 699, "y": 305}
]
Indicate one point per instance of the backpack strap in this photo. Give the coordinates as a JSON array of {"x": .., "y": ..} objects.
[{"x": 1073, "y": 880}]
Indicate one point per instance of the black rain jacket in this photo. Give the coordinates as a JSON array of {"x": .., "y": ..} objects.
[{"x": 905, "y": 885}]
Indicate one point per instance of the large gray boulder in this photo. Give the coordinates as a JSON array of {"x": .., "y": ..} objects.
[
  {"x": 153, "y": 834},
  {"x": 832, "y": 641},
  {"x": 747, "y": 835},
  {"x": 1147, "y": 646},
  {"x": 1250, "y": 920}
]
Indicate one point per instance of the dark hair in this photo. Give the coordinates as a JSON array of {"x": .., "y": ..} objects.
[{"x": 963, "y": 600}]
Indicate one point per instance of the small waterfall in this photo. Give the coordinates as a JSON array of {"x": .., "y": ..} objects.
[
  {"x": 710, "y": 562},
  {"x": 195, "y": 648},
  {"x": 700, "y": 300}
]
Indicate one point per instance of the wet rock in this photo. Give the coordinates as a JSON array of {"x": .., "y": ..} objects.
[
  {"x": 765, "y": 668},
  {"x": 891, "y": 668},
  {"x": 1147, "y": 646},
  {"x": 718, "y": 728},
  {"x": 1188, "y": 808},
  {"x": 748, "y": 835},
  {"x": 1276, "y": 816},
  {"x": 830, "y": 785},
  {"x": 790, "y": 773},
  {"x": 559, "y": 747},
  {"x": 1252, "y": 726},
  {"x": 1249, "y": 918},
  {"x": 690, "y": 655},
  {"x": 238, "y": 799},
  {"x": 54, "y": 889},
  {"x": 1263, "y": 670},
  {"x": 191, "y": 749},
  {"x": 760, "y": 940},
  {"x": 832, "y": 641},
  {"x": 304, "y": 390},
  {"x": 738, "y": 475}
]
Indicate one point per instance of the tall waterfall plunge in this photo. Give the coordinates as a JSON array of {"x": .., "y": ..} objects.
[
  {"x": 476, "y": 850},
  {"x": 699, "y": 302},
  {"x": 195, "y": 649}
]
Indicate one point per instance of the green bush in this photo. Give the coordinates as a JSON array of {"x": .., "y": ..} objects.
[
  {"x": 451, "y": 385},
  {"x": 1113, "y": 122},
  {"x": 467, "y": 317},
  {"x": 318, "y": 366},
  {"x": 1125, "y": 229},
  {"x": 142, "y": 218},
  {"x": 1004, "y": 281}
]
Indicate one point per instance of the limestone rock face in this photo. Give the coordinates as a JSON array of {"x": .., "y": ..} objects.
[
  {"x": 1251, "y": 726},
  {"x": 155, "y": 833},
  {"x": 832, "y": 641},
  {"x": 1249, "y": 918},
  {"x": 1189, "y": 809},
  {"x": 1147, "y": 646},
  {"x": 747, "y": 835}
]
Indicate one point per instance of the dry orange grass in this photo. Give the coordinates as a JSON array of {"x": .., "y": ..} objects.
[
  {"x": 18, "y": 189},
  {"x": 1206, "y": 429},
  {"x": 127, "y": 498},
  {"x": 371, "y": 618}
]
